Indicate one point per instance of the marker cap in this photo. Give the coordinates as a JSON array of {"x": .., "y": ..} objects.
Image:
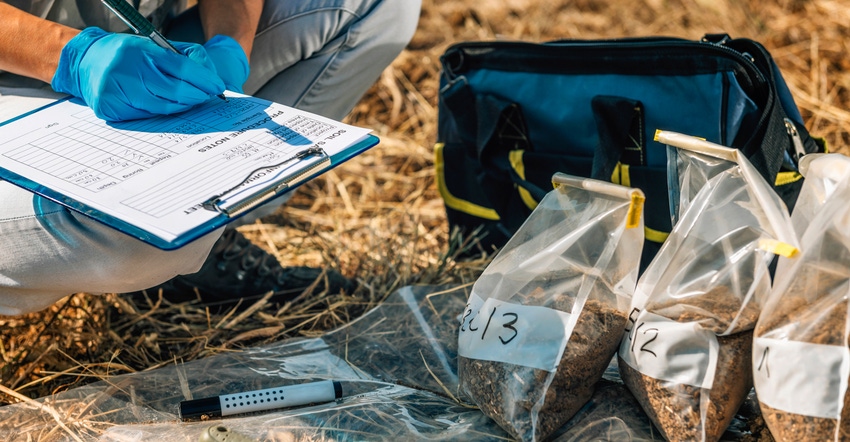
[{"x": 200, "y": 409}]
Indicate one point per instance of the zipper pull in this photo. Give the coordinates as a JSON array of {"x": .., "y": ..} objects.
[
  {"x": 799, "y": 150},
  {"x": 716, "y": 39},
  {"x": 720, "y": 40}
]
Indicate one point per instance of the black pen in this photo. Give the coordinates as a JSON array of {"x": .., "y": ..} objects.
[
  {"x": 141, "y": 26},
  {"x": 260, "y": 400}
]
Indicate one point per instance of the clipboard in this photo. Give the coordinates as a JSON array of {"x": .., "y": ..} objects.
[{"x": 211, "y": 182}]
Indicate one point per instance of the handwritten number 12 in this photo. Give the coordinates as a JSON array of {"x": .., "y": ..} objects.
[{"x": 645, "y": 344}]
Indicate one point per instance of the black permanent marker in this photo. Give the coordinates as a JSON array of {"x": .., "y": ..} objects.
[
  {"x": 140, "y": 25},
  {"x": 260, "y": 400}
]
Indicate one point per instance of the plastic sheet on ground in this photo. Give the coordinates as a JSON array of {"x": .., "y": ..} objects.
[{"x": 397, "y": 365}]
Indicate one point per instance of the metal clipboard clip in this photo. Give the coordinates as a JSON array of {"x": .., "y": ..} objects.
[{"x": 309, "y": 160}]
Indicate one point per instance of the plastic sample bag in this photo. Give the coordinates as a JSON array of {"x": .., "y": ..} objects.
[
  {"x": 687, "y": 351},
  {"x": 801, "y": 360},
  {"x": 399, "y": 368},
  {"x": 612, "y": 414},
  {"x": 544, "y": 319},
  {"x": 396, "y": 363}
]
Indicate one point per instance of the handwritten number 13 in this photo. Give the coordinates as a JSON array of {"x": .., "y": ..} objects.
[{"x": 508, "y": 325}]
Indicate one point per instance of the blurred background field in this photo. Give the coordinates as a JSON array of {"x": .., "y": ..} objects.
[{"x": 379, "y": 218}]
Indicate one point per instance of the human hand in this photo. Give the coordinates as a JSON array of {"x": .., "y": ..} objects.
[
  {"x": 126, "y": 77},
  {"x": 230, "y": 61}
]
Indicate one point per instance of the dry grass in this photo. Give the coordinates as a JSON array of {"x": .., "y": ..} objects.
[{"x": 379, "y": 217}]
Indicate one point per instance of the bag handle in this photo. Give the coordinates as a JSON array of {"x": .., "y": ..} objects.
[
  {"x": 767, "y": 148},
  {"x": 619, "y": 125},
  {"x": 491, "y": 127}
]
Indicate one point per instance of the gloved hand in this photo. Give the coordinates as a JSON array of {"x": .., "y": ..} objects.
[
  {"x": 125, "y": 77},
  {"x": 230, "y": 61}
]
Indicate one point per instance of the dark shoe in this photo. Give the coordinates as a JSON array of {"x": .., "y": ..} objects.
[{"x": 239, "y": 272}]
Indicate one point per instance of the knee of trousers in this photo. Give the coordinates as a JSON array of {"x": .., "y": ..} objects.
[
  {"x": 62, "y": 253},
  {"x": 324, "y": 62},
  {"x": 398, "y": 21}
]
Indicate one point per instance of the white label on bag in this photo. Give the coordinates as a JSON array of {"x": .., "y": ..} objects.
[
  {"x": 801, "y": 377},
  {"x": 678, "y": 352},
  {"x": 526, "y": 335}
]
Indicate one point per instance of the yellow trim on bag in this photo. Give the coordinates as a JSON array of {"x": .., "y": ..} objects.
[
  {"x": 783, "y": 178},
  {"x": 451, "y": 200},
  {"x": 822, "y": 142},
  {"x": 515, "y": 158},
  {"x": 635, "y": 210},
  {"x": 615, "y": 176},
  {"x": 622, "y": 170},
  {"x": 655, "y": 235},
  {"x": 778, "y": 248}
]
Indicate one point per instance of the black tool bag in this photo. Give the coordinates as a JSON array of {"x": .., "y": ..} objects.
[{"x": 511, "y": 114}]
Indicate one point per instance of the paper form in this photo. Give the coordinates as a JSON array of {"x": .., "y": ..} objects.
[{"x": 155, "y": 173}]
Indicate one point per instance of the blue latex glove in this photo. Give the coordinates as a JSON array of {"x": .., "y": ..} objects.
[
  {"x": 230, "y": 61},
  {"x": 125, "y": 77}
]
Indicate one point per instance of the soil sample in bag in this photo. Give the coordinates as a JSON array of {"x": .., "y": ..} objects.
[
  {"x": 687, "y": 412},
  {"x": 830, "y": 329},
  {"x": 511, "y": 394},
  {"x": 675, "y": 408}
]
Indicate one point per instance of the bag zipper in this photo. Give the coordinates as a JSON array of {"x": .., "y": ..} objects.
[{"x": 457, "y": 56}]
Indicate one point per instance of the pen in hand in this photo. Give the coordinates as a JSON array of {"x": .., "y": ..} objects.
[{"x": 141, "y": 26}]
